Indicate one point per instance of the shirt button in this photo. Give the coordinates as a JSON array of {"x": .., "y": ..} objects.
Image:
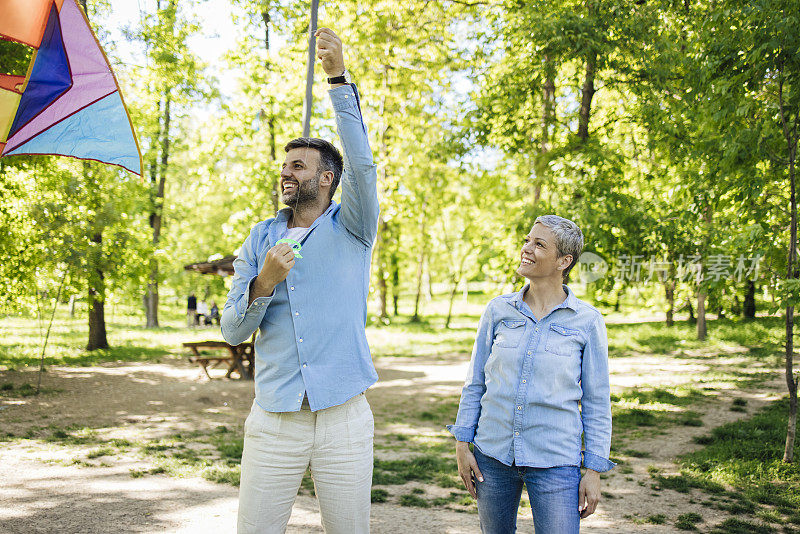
[
  {"x": 292, "y": 288},
  {"x": 516, "y": 433},
  {"x": 301, "y": 340},
  {"x": 518, "y": 407},
  {"x": 296, "y": 314},
  {"x": 524, "y": 381},
  {"x": 529, "y": 352},
  {"x": 304, "y": 366}
]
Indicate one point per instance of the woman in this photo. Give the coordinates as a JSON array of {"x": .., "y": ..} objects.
[{"x": 537, "y": 383}]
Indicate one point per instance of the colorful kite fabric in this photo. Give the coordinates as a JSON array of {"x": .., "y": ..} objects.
[{"x": 69, "y": 103}]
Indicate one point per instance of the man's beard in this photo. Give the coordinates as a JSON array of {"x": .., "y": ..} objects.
[{"x": 306, "y": 193}]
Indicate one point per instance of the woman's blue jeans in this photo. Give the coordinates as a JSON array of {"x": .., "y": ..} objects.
[{"x": 553, "y": 492}]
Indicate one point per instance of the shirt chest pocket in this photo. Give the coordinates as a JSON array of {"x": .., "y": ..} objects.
[
  {"x": 509, "y": 333},
  {"x": 563, "y": 341}
]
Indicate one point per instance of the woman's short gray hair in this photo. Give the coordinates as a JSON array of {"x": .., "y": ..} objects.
[{"x": 569, "y": 238}]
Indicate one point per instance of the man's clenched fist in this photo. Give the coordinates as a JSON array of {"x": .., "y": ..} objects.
[
  {"x": 329, "y": 50},
  {"x": 277, "y": 264}
]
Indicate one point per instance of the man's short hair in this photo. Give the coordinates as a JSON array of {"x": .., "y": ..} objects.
[
  {"x": 569, "y": 238},
  {"x": 330, "y": 159}
]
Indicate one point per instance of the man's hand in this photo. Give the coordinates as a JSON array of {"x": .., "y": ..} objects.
[
  {"x": 277, "y": 264},
  {"x": 467, "y": 466},
  {"x": 329, "y": 50},
  {"x": 589, "y": 493}
]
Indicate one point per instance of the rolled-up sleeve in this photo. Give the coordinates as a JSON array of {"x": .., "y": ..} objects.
[
  {"x": 239, "y": 320},
  {"x": 469, "y": 409},
  {"x": 596, "y": 399}
]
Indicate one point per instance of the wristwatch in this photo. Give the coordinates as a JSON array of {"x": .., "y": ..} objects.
[{"x": 342, "y": 78}]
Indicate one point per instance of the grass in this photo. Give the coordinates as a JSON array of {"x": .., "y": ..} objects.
[
  {"x": 736, "y": 352},
  {"x": 657, "y": 519},
  {"x": 379, "y": 495},
  {"x": 760, "y": 340},
  {"x": 688, "y": 521},
  {"x": 651, "y": 407},
  {"x": 738, "y": 526},
  {"x": 20, "y": 339},
  {"x": 419, "y": 469},
  {"x": 742, "y": 465},
  {"x": 414, "y": 500}
]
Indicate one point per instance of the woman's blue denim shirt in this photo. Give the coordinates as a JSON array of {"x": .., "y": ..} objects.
[{"x": 534, "y": 387}]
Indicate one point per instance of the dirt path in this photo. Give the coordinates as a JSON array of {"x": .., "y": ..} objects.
[{"x": 40, "y": 491}]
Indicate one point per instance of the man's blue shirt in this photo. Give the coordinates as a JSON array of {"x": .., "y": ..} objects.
[
  {"x": 311, "y": 330},
  {"x": 534, "y": 387}
]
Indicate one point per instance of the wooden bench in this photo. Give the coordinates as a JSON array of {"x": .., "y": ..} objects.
[{"x": 236, "y": 357}]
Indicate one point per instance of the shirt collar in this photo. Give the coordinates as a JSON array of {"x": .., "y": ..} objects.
[
  {"x": 570, "y": 302},
  {"x": 284, "y": 213}
]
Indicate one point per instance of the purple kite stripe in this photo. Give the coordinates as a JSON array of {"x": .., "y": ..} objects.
[{"x": 91, "y": 76}]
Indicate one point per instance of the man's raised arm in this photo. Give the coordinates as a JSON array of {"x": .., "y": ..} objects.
[{"x": 359, "y": 207}]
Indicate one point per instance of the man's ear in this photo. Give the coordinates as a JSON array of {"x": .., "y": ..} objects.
[{"x": 326, "y": 178}]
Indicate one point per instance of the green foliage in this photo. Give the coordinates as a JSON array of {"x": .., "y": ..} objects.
[
  {"x": 379, "y": 495},
  {"x": 733, "y": 525},
  {"x": 746, "y": 455},
  {"x": 688, "y": 521},
  {"x": 414, "y": 500}
]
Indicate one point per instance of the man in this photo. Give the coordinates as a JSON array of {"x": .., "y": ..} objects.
[{"x": 307, "y": 297}]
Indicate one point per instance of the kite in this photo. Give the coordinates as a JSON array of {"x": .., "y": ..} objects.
[
  {"x": 69, "y": 103},
  {"x": 293, "y": 244}
]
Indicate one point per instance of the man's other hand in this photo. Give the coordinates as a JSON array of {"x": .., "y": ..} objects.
[
  {"x": 277, "y": 264},
  {"x": 329, "y": 50}
]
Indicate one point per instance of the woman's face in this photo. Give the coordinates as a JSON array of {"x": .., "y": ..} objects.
[{"x": 539, "y": 255}]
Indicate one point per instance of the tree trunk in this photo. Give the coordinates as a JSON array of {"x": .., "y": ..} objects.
[
  {"x": 453, "y": 289},
  {"x": 270, "y": 108},
  {"x": 97, "y": 290},
  {"x": 421, "y": 261},
  {"x": 156, "y": 215},
  {"x": 702, "y": 331},
  {"x": 548, "y": 118},
  {"x": 587, "y": 92},
  {"x": 383, "y": 289},
  {"x": 72, "y": 306},
  {"x": 420, "y": 264},
  {"x": 791, "y": 136},
  {"x": 383, "y": 233},
  {"x": 692, "y": 319},
  {"x": 702, "y": 293},
  {"x": 669, "y": 293},
  {"x": 395, "y": 267},
  {"x": 750, "y": 300}
]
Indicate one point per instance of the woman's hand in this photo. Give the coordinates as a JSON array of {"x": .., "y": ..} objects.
[
  {"x": 467, "y": 466},
  {"x": 589, "y": 493}
]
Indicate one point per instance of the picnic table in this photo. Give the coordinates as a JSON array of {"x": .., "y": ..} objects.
[{"x": 239, "y": 358}]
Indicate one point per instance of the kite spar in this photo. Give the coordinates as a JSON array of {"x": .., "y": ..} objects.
[
  {"x": 312, "y": 43},
  {"x": 69, "y": 103}
]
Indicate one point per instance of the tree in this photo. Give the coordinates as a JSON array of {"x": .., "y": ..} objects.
[{"x": 173, "y": 80}]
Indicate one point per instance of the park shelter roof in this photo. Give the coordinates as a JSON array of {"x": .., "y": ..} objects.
[{"x": 222, "y": 267}]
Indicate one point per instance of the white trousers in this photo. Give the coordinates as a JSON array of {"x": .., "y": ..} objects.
[{"x": 278, "y": 448}]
